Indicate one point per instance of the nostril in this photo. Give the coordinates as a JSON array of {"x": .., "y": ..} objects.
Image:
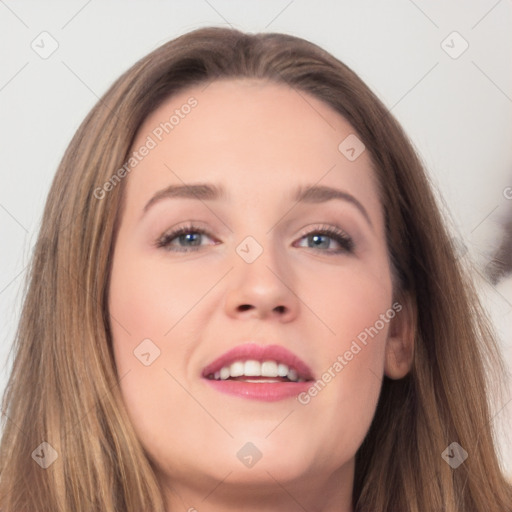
[{"x": 244, "y": 307}]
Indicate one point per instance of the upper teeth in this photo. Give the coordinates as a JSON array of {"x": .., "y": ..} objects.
[{"x": 253, "y": 368}]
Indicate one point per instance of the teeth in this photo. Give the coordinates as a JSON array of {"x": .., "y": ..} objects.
[
  {"x": 269, "y": 369},
  {"x": 253, "y": 368},
  {"x": 282, "y": 370},
  {"x": 237, "y": 369},
  {"x": 292, "y": 375}
]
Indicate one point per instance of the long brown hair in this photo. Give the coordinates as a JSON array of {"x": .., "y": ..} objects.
[{"x": 63, "y": 389}]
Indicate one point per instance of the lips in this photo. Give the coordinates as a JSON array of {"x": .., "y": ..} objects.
[{"x": 264, "y": 372}]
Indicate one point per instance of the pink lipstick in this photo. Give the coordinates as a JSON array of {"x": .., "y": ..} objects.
[{"x": 259, "y": 372}]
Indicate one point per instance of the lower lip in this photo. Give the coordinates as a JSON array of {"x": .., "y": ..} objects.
[{"x": 264, "y": 391}]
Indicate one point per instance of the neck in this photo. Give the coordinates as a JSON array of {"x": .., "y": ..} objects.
[{"x": 322, "y": 493}]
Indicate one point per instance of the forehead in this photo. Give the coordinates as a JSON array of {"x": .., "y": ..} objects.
[
  {"x": 237, "y": 108},
  {"x": 253, "y": 135}
]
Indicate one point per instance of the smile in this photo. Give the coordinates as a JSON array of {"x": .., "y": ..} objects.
[
  {"x": 259, "y": 372},
  {"x": 270, "y": 371}
]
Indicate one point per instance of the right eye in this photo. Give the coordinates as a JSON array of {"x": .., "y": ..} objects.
[{"x": 185, "y": 234}]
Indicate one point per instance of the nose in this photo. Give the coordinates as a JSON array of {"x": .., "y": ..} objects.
[{"x": 262, "y": 289}]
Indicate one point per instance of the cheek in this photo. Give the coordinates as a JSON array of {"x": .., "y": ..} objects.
[
  {"x": 149, "y": 298},
  {"x": 357, "y": 308},
  {"x": 360, "y": 317},
  {"x": 346, "y": 299},
  {"x": 145, "y": 305}
]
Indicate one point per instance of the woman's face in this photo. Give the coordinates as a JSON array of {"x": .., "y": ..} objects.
[{"x": 254, "y": 349}]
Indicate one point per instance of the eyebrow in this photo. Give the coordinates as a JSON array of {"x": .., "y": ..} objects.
[{"x": 312, "y": 194}]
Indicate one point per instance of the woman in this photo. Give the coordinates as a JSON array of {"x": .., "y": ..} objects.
[{"x": 323, "y": 350}]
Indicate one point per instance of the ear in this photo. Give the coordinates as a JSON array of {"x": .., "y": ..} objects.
[{"x": 400, "y": 341}]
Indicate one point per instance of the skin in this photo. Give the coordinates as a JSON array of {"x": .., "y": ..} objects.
[{"x": 259, "y": 140}]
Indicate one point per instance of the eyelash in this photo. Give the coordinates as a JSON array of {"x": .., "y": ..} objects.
[{"x": 345, "y": 241}]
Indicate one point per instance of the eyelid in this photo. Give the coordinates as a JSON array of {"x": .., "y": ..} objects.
[
  {"x": 334, "y": 232},
  {"x": 170, "y": 234}
]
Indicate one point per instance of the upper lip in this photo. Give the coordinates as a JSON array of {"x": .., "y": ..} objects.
[{"x": 255, "y": 352}]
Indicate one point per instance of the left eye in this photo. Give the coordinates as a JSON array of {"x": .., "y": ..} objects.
[{"x": 344, "y": 241}]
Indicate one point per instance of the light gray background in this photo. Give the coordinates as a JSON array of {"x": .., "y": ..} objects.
[{"x": 457, "y": 111}]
